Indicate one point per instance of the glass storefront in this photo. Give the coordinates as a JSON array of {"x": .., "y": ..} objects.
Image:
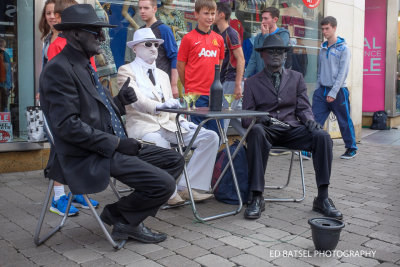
[
  {"x": 16, "y": 68},
  {"x": 301, "y": 21}
]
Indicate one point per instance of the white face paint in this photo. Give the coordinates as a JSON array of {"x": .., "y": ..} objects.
[{"x": 148, "y": 54}]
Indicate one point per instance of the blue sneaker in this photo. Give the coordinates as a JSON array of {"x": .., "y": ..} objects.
[
  {"x": 60, "y": 206},
  {"x": 79, "y": 201},
  {"x": 304, "y": 154},
  {"x": 349, "y": 154}
]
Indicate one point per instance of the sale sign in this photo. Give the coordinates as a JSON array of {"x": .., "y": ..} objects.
[
  {"x": 311, "y": 3},
  {"x": 5, "y": 127},
  {"x": 374, "y": 56}
]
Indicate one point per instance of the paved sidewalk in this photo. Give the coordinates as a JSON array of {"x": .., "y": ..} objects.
[{"x": 366, "y": 189}]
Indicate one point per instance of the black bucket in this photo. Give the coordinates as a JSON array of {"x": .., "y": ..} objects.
[{"x": 325, "y": 232}]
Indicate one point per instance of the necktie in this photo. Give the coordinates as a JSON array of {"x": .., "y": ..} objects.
[
  {"x": 115, "y": 121},
  {"x": 277, "y": 80},
  {"x": 151, "y": 76}
]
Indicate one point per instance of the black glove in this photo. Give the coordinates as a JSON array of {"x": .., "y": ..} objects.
[
  {"x": 266, "y": 120},
  {"x": 313, "y": 125},
  {"x": 129, "y": 146},
  {"x": 127, "y": 94}
]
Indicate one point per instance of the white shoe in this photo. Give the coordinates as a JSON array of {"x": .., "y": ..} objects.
[
  {"x": 176, "y": 200},
  {"x": 197, "y": 197}
]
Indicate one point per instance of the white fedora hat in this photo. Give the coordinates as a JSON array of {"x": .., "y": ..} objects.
[{"x": 143, "y": 35}]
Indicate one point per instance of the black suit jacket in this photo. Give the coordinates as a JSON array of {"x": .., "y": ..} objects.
[
  {"x": 80, "y": 123},
  {"x": 290, "y": 104}
]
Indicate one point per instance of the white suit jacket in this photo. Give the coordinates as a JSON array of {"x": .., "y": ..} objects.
[{"x": 141, "y": 118}]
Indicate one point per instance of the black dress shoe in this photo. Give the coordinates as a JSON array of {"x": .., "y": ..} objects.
[
  {"x": 254, "y": 209},
  {"x": 110, "y": 219},
  {"x": 140, "y": 233},
  {"x": 327, "y": 208}
]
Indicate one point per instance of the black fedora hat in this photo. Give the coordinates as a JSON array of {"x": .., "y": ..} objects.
[
  {"x": 80, "y": 16},
  {"x": 273, "y": 41}
]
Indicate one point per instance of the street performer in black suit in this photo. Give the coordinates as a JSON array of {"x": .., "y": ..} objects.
[
  {"x": 283, "y": 94},
  {"x": 90, "y": 140}
]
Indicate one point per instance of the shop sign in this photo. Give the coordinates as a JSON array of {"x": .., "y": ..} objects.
[
  {"x": 311, "y": 3},
  {"x": 5, "y": 127},
  {"x": 374, "y": 56}
]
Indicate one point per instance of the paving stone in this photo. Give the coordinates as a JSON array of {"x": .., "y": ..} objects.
[
  {"x": 159, "y": 254},
  {"x": 207, "y": 243},
  {"x": 124, "y": 256},
  {"x": 377, "y": 244},
  {"x": 142, "y": 248},
  {"x": 290, "y": 262},
  {"x": 190, "y": 236},
  {"x": 144, "y": 263},
  {"x": 214, "y": 261},
  {"x": 250, "y": 260},
  {"x": 237, "y": 242},
  {"x": 177, "y": 260},
  {"x": 82, "y": 255},
  {"x": 174, "y": 244},
  {"x": 360, "y": 261},
  {"x": 390, "y": 238},
  {"x": 387, "y": 264},
  {"x": 47, "y": 258},
  {"x": 102, "y": 262},
  {"x": 192, "y": 252},
  {"x": 226, "y": 251}
]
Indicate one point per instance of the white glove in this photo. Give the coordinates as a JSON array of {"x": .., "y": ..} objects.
[
  {"x": 188, "y": 125},
  {"x": 170, "y": 103}
]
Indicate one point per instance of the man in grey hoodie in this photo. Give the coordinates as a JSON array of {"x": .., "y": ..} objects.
[
  {"x": 332, "y": 94},
  {"x": 270, "y": 16}
]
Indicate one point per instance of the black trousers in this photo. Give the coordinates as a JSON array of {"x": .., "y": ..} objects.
[
  {"x": 261, "y": 138},
  {"x": 152, "y": 175}
]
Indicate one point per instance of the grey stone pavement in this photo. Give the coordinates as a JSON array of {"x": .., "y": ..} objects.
[{"x": 365, "y": 189}]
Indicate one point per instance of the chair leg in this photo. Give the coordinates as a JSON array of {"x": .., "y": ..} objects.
[
  {"x": 36, "y": 237},
  {"x": 116, "y": 245},
  {"x": 122, "y": 190},
  {"x": 114, "y": 188},
  {"x": 288, "y": 180}
]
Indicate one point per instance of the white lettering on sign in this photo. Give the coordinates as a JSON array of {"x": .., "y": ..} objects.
[
  {"x": 208, "y": 53},
  {"x": 373, "y": 55}
]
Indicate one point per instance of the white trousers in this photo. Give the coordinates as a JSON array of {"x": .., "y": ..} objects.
[{"x": 201, "y": 164}]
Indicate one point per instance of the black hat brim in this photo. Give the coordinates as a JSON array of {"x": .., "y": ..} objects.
[
  {"x": 77, "y": 25},
  {"x": 260, "y": 49}
]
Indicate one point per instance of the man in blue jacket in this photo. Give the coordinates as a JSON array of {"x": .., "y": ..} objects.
[
  {"x": 331, "y": 93},
  {"x": 270, "y": 16},
  {"x": 168, "y": 51}
]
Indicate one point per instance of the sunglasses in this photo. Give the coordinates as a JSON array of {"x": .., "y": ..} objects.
[
  {"x": 149, "y": 44},
  {"x": 275, "y": 51},
  {"x": 96, "y": 34}
]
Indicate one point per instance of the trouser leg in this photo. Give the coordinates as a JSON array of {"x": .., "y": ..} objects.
[
  {"x": 341, "y": 108},
  {"x": 201, "y": 164},
  {"x": 320, "y": 107},
  {"x": 319, "y": 143},
  {"x": 152, "y": 174},
  {"x": 258, "y": 148}
]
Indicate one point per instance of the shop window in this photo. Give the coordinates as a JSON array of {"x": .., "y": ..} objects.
[
  {"x": 16, "y": 68},
  {"x": 398, "y": 65},
  {"x": 301, "y": 20}
]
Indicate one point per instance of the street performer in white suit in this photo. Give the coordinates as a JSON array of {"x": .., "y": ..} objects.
[{"x": 143, "y": 121}]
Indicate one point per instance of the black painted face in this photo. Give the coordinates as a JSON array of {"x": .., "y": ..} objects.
[
  {"x": 89, "y": 40},
  {"x": 273, "y": 58}
]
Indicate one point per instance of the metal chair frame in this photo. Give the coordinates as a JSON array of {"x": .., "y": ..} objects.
[
  {"x": 293, "y": 151},
  {"x": 38, "y": 241}
]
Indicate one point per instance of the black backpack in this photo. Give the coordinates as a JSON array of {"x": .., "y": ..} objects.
[{"x": 379, "y": 121}]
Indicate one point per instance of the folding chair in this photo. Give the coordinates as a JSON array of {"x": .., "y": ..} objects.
[
  {"x": 293, "y": 151},
  {"x": 38, "y": 241}
]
